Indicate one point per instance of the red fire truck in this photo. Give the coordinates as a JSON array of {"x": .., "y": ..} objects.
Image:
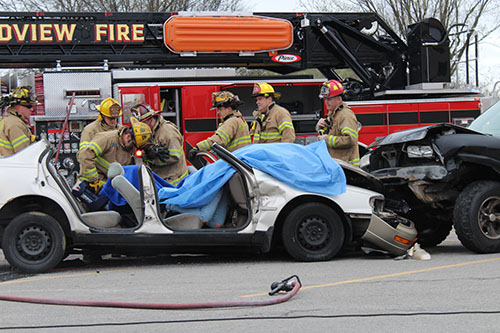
[{"x": 392, "y": 84}]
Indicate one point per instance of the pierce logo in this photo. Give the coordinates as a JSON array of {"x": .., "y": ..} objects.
[{"x": 286, "y": 58}]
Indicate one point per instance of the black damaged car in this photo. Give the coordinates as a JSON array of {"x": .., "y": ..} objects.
[{"x": 449, "y": 176}]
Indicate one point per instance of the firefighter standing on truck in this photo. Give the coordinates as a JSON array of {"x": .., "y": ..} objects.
[
  {"x": 166, "y": 155},
  {"x": 107, "y": 120},
  {"x": 273, "y": 123},
  {"x": 340, "y": 127},
  {"x": 108, "y": 147},
  {"x": 232, "y": 132},
  {"x": 15, "y": 129}
]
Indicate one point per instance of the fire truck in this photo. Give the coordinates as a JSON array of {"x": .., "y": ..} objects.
[{"x": 174, "y": 61}]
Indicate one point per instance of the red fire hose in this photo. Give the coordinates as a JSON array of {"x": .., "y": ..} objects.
[{"x": 285, "y": 285}]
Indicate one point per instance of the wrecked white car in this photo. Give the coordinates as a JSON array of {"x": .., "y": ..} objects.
[{"x": 41, "y": 221}]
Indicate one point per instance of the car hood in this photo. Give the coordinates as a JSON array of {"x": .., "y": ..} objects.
[
  {"x": 419, "y": 133},
  {"x": 360, "y": 178}
]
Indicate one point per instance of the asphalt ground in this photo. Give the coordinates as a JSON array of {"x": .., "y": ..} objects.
[{"x": 454, "y": 291}]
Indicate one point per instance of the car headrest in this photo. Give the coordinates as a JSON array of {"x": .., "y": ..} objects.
[{"x": 115, "y": 169}]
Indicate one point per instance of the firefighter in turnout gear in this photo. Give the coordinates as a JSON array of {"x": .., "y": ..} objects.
[
  {"x": 107, "y": 120},
  {"x": 273, "y": 123},
  {"x": 108, "y": 147},
  {"x": 166, "y": 155},
  {"x": 340, "y": 127},
  {"x": 15, "y": 130},
  {"x": 233, "y": 130}
]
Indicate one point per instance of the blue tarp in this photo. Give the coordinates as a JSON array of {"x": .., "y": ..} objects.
[
  {"x": 309, "y": 168},
  {"x": 131, "y": 172}
]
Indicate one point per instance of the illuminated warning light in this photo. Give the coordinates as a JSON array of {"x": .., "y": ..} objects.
[{"x": 138, "y": 153}]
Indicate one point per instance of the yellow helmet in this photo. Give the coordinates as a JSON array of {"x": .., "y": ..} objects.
[
  {"x": 142, "y": 132},
  {"x": 110, "y": 108},
  {"x": 22, "y": 95},
  {"x": 264, "y": 89}
]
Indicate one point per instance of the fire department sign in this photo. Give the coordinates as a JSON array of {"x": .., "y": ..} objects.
[{"x": 34, "y": 33}]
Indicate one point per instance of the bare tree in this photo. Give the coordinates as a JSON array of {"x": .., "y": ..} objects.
[
  {"x": 122, "y": 5},
  {"x": 463, "y": 19}
]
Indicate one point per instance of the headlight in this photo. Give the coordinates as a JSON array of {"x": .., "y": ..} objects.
[
  {"x": 419, "y": 151},
  {"x": 377, "y": 203},
  {"x": 365, "y": 161}
]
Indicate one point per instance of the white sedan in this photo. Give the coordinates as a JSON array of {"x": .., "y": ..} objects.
[{"x": 41, "y": 221}]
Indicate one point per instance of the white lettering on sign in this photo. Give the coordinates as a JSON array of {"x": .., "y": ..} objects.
[{"x": 286, "y": 58}]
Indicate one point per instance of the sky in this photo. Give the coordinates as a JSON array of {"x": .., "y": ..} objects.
[{"x": 488, "y": 54}]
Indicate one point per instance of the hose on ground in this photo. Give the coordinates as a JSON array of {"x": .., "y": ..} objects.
[{"x": 285, "y": 286}]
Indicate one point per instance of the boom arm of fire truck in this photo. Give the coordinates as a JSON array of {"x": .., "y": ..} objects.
[{"x": 329, "y": 42}]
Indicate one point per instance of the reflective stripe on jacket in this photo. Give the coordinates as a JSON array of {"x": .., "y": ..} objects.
[
  {"x": 342, "y": 137},
  {"x": 104, "y": 149},
  {"x": 232, "y": 134},
  {"x": 15, "y": 133},
  {"x": 167, "y": 135},
  {"x": 97, "y": 126},
  {"x": 275, "y": 125}
]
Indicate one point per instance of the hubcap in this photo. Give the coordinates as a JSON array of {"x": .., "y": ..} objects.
[
  {"x": 33, "y": 243},
  {"x": 313, "y": 233},
  {"x": 489, "y": 218}
]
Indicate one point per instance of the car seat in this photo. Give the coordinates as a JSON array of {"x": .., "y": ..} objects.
[{"x": 126, "y": 189}]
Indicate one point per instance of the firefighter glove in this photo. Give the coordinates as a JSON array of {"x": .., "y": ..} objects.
[
  {"x": 96, "y": 186},
  {"x": 154, "y": 152},
  {"x": 192, "y": 153}
]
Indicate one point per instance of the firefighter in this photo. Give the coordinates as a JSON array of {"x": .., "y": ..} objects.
[
  {"x": 108, "y": 147},
  {"x": 15, "y": 129},
  {"x": 340, "y": 127},
  {"x": 107, "y": 120},
  {"x": 166, "y": 155},
  {"x": 233, "y": 130},
  {"x": 273, "y": 123}
]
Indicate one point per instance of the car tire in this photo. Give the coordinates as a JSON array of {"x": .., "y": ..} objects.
[
  {"x": 33, "y": 242},
  {"x": 432, "y": 231},
  {"x": 313, "y": 232},
  {"x": 476, "y": 216}
]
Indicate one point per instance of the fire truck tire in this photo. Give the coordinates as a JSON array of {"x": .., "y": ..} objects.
[
  {"x": 313, "y": 232},
  {"x": 476, "y": 217},
  {"x": 33, "y": 242}
]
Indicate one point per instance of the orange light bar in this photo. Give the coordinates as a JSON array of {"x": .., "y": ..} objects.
[
  {"x": 227, "y": 34},
  {"x": 404, "y": 240}
]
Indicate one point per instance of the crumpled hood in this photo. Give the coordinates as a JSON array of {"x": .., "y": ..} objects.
[{"x": 419, "y": 133}]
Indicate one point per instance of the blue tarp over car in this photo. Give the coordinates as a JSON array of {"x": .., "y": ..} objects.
[{"x": 308, "y": 168}]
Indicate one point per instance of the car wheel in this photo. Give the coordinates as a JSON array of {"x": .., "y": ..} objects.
[
  {"x": 33, "y": 242},
  {"x": 313, "y": 232},
  {"x": 432, "y": 231},
  {"x": 477, "y": 217}
]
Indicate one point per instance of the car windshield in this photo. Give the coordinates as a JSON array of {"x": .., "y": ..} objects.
[{"x": 488, "y": 122}]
